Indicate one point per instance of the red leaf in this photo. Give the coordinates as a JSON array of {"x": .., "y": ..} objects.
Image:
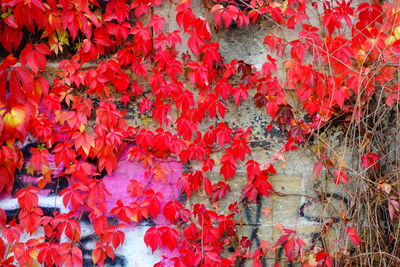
[
  {"x": 239, "y": 93},
  {"x": 135, "y": 188},
  {"x": 157, "y": 23},
  {"x": 207, "y": 186},
  {"x": 138, "y": 211},
  {"x": 169, "y": 237},
  {"x": 253, "y": 169},
  {"x": 72, "y": 196},
  {"x": 154, "y": 199},
  {"x": 194, "y": 43},
  {"x": 352, "y": 234},
  {"x": 340, "y": 176},
  {"x": 228, "y": 169},
  {"x": 300, "y": 244},
  {"x": 64, "y": 153},
  {"x": 152, "y": 238},
  {"x": 394, "y": 207},
  {"x": 219, "y": 191},
  {"x": 11, "y": 38},
  {"x": 281, "y": 240},
  {"x": 84, "y": 140},
  {"x": 34, "y": 57},
  {"x": 98, "y": 256},
  {"x": 223, "y": 133},
  {"x": 323, "y": 259},
  {"x": 76, "y": 257},
  {"x": 370, "y": 160},
  {"x": 289, "y": 248},
  {"x": 230, "y": 13},
  {"x": 318, "y": 167},
  {"x": 172, "y": 210},
  {"x": 263, "y": 186},
  {"x": 27, "y": 198},
  {"x": 123, "y": 212}
]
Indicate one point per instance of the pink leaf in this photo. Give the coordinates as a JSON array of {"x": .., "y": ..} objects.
[
  {"x": 318, "y": 167},
  {"x": 394, "y": 207}
]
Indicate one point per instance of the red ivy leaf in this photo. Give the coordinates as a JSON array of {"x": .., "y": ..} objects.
[
  {"x": 123, "y": 212},
  {"x": 340, "y": 176},
  {"x": 318, "y": 167},
  {"x": 172, "y": 210},
  {"x": 34, "y": 57},
  {"x": 219, "y": 191},
  {"x": 352, "y": 234},
  {"x": 169, "y": 237},
  {"x": 289, "y": 248},
  {"x": 207, "y": 186},
  {"x": 370, "y": 160},
  {"x": 323, "y": 259},
  {"x": 253, "y": 169},
  {"x": 161, "y": 237},
  {"x": 154, "y": 199},
  {"x": 223, "y": 133}
]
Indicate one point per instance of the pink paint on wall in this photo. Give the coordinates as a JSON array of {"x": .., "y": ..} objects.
[{"x": 117, "y": 183}]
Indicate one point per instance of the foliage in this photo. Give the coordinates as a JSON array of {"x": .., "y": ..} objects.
[{"x": 121, "y": 51}]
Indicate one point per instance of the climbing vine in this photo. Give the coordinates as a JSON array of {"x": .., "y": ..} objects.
[{"x": 337, "y": 67}]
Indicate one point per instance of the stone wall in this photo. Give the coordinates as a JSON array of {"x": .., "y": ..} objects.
[{"x": 301, "y": 202}]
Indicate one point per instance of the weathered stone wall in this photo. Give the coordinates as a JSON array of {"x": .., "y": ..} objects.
[{"x": 301, "y": 202}]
